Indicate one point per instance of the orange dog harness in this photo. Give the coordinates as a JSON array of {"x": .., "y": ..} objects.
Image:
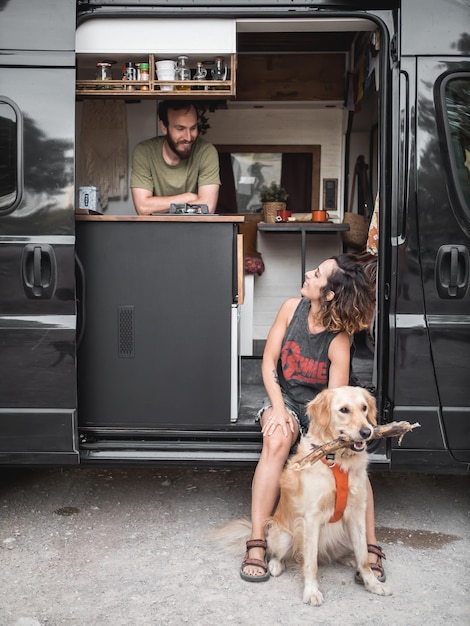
[{"x": 341, "y": 480}]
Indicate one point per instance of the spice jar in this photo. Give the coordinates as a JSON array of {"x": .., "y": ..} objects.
[
  {"x": 103, "y": 72},
  {"x": 131, "y": 74},
  {"x": 144, "y": 75}
]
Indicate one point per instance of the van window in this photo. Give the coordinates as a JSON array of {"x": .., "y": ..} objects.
[
  {"x": 456, "y": 106},
  {"x": 10, "y": 134}
]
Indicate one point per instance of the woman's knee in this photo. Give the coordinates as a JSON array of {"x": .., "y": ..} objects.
[{"x": 277, "y": 445}]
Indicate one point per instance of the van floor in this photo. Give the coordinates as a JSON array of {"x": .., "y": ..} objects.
[{"x": 252, "y": 388}]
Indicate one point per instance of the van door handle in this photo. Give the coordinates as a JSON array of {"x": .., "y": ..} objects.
[
  {"x": 452, "y": 271},
  {"x": 39, "y": 270}
]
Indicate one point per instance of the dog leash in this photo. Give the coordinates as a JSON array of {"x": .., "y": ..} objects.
[{"x": 342, "y": 482}]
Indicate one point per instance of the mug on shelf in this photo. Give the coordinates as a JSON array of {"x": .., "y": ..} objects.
[
  {"x": 320, "y": 216},
  {"x": 283, "y": 215},
  {"x": 166, "y": 70}
]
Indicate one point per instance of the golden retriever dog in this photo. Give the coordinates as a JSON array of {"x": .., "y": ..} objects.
[{"x": 302, "y": 528}]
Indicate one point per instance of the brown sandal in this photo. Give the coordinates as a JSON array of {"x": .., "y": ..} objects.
[
  {"x": 375, "y": 567},
  {"x": 255, "y": 543}
]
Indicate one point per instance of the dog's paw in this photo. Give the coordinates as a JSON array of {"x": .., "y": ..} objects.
[
  {"x": 374, "y": 586},
  {"x": 276, "y": 567},
  {"x": 312, "y": 595}
]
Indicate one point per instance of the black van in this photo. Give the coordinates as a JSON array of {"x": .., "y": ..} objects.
[{"x": 95, "y": 365}]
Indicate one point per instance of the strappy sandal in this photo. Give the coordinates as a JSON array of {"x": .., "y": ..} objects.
[
  {"x": 255, "y": 543},
  {"x": 375, "y": 567}
]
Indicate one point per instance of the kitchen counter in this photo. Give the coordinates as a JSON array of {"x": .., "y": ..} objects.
[{"x": 213, "y": 219}]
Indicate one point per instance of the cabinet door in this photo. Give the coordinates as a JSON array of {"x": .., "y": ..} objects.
[{"x": 157, "y": 343}]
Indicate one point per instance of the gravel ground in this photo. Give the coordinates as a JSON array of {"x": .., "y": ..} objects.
[{"x": 130, "y": 547}]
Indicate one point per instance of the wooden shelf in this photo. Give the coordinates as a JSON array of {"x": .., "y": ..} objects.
[{"x": 191, "y": 89}]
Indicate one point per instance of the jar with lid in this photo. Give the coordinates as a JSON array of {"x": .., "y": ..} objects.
[
  {"x": 103, "y": 72},
  {"x": 200, "y": 74},
  {"x": 130, "y": 74},
  {"x": 183, "y": 73},
  {"x": 144, "y": 75}
]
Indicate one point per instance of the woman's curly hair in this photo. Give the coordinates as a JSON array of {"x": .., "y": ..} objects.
[{"x": 353, "y": 304}]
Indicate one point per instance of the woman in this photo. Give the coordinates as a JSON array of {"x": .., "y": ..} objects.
[{"x": 307, "y": 350}]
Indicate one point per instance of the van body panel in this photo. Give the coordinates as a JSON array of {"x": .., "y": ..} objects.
[
  {"x": 430, "y": 28},
  {"x": 43, "y": 25},
  {"x": 37, "y": 236},
  {"x": 38, "y": 437}
]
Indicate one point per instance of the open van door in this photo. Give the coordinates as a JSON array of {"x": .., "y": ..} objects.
[
  {"x": 433, "y": 345},
  {"x": 37, "y": 283}
]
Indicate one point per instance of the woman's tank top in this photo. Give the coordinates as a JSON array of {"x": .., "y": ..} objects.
[{"x": 303, "y": 367}]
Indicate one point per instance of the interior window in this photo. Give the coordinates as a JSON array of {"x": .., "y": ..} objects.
[
  {"x": 9, "y": 166},
  {"x": 456, "y": 101}
]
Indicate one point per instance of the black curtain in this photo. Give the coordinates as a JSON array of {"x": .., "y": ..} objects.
[
  {"x": 296, "y": 178},
  {"x": 227, "y": 195}
]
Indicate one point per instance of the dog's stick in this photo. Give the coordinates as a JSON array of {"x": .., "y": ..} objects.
[{"x": 394, "y": 429}]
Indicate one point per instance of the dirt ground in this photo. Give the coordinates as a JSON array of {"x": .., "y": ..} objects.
[{"x": 111, "y": 547}]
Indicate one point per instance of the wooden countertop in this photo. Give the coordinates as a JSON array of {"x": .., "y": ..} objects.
[
  {"x": 80, "y": 217},
  {"x": 311, "y": 227}
]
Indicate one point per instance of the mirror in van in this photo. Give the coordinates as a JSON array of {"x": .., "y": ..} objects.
[{"x": 245, "y": 169}]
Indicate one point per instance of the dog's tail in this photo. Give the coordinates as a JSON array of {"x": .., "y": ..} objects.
[{"x": 233, "y": 536}]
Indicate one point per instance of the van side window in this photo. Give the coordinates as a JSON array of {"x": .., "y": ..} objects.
[
  {"x": 456, "y": 95},
  {"x": 10, "y": 142}
]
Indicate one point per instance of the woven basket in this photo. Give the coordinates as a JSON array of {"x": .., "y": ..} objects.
[
  {"x": 356, "y": 236},
  {"x": 270, "y": 210}
]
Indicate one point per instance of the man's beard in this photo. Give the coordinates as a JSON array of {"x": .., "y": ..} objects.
[{"x": 181, "y": 154}]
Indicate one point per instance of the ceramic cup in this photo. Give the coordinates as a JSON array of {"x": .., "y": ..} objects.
[
  {"x": 319, "y": 216},
  {"x": 283, "y": 215},
  {"x": 166, "y": 70}
]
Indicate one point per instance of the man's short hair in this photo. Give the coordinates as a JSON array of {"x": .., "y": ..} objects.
[{"x": 173, "y": 105}]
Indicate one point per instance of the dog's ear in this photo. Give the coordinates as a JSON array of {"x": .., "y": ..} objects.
[
  {"x": 371, "y": 408},
  {"x": 319, "y": 412}
]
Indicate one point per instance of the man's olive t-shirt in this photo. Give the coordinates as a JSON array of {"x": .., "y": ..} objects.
[{"x": 150, "y": 171}]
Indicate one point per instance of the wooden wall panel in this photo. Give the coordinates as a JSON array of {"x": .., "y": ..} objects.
[{"x": 282, "y": 77}]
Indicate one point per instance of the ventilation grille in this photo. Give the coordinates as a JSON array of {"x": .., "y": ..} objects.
[{"x": 126, "y": 331}]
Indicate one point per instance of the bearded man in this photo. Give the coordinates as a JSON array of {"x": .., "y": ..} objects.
[{"x": 179, "y": 167}]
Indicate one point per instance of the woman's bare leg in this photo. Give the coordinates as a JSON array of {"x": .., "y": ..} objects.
[
  {"x": 265, "y": 486},
  {"x": 370, "y": 525}
]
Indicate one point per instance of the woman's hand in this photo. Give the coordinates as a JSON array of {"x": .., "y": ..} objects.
[{"x": 278, "y": 419}]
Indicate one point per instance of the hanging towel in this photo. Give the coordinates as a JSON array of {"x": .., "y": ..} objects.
[{"x": 104, "y": 148}]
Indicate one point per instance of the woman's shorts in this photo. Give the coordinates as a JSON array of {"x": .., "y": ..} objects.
[{"x": 296, "y": 409}]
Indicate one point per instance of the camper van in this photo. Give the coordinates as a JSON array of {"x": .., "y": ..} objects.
[{"x": 138, "y": 340}]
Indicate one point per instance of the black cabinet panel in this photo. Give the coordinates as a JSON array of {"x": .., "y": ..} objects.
[{"x": 157, "y": 341}]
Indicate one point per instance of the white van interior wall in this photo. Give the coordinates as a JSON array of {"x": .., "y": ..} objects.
[{"x": 281, "y": 253}]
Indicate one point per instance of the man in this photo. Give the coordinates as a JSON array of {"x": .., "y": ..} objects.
[{"x": 179, "y": 167}]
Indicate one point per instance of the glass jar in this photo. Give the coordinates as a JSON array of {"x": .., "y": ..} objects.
[
  {"x": 103, "y": 72},
  {"x": 144, "y": 75},
  {"x": 183, "y": 73},
  {"x": 220, "y": 69},
  {"x": 200, "y": 74},
  {"x": 219, "y": 73}
]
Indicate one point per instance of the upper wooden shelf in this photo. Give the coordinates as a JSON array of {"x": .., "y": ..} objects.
[{"x": 88, "y": 86}]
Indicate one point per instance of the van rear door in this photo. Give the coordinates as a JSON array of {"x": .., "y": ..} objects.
[
  {"x": 433, "y": 347},
  {"x": 443, "y": 202},
  {"x": 37, "y": 302}
]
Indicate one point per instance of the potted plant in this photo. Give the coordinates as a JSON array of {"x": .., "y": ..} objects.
[{"x": 273, "y": 198}]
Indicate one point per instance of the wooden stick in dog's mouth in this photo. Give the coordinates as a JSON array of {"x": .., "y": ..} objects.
[{"x": 394, "y": 429}]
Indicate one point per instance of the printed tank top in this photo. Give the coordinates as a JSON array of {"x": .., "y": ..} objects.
[{"x": 303, "y": 365}]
